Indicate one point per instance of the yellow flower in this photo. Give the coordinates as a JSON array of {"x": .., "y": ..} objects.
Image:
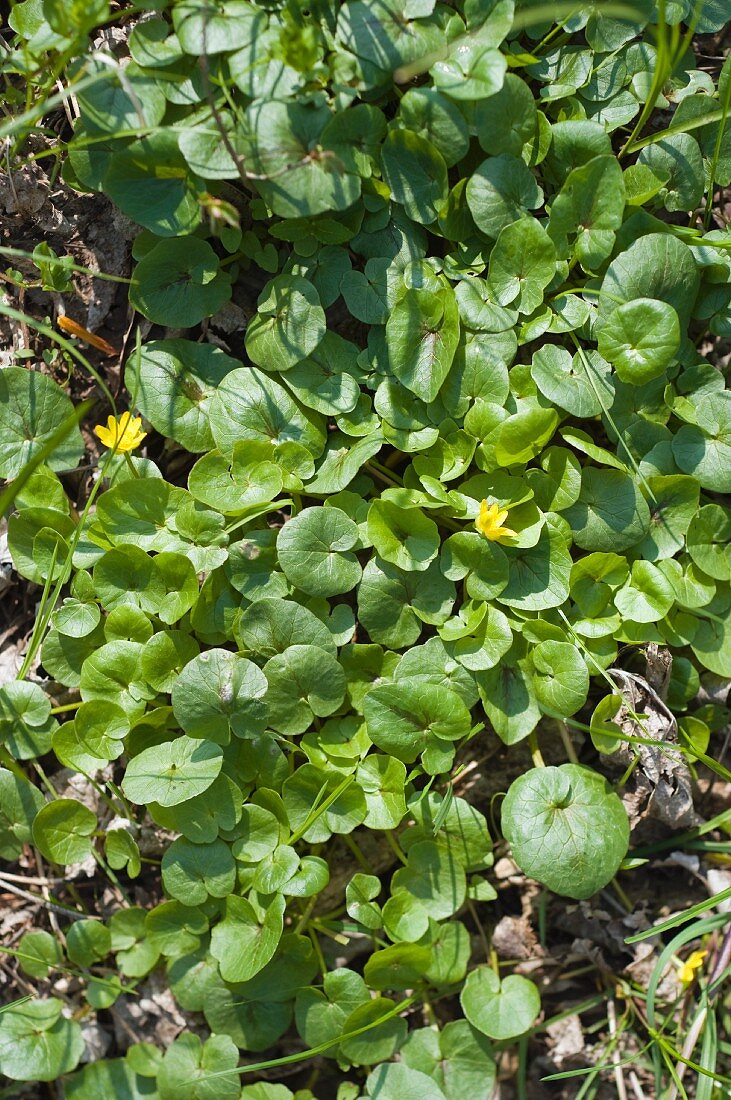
[
  {"x": 124, "y": 434},
  {"x": 490, "y": 522},
  {"x": 686, "y": 970}
]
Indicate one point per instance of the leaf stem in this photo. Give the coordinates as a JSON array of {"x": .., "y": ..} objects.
[
  {"x": 395, "y": 846},
  {"x": 535, "y": 752},
  {"x": 66, "y": 707},
  {"x": 567, "y": 742}
]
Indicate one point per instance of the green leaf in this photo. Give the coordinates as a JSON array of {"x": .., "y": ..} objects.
[
  {"x": 676, "y": 159},
  {"x": 93, "y": 738},
  {"x": 342, "y": 461},
  {"x": 567, "y": 828},
  {"x": 393, "y": 604},
  {"x": 458, "y": 1058},
  {"x": 270, "y": 626},
  {"x": 522, "y": 264},
  {"x": 561, "y": 678},
  {"x": 203, "y": 147},
  {"x": 173, "y": 382},
  {"x": 394, "y": 1081},
  {"x": 640, "y": 339},
  {"x": 108, "y": 1077},
  {"x": 506, "y": 120},
  {"x": 434, "y": 877},
  {"x": 405, "y": 719},
  {"x": 237, "y": 485},
  {"x": 709, "y": 535},
  {"x": 454, "y": 823},
  {"x": 62, "y": 831},
  {"x": 178, "y": 283},
  {"x": 304, "y": 682},
  {"x": 32, "y": 409},
  {"x": 37, "y": 1043},
  {"x": 382, "y": 780},
  {"x": 381, "y": 1038},
  {"x": 87, "y": 942},
  {"x": 405, "y": 537},
  {"x": 580, "y": 384},
  {"x": 199, "y": 819},
  {"x": 656, "y": 266},
  {"x": 647, "y": 596},
  {"x": 288, "y": 325},
  {"x": 314, "y": 550},
  {"x": 173, "y": 772},
  {"x": 280, "y": 140},
  {"x": 20, "y": 801},
  {"x": 248, "y": 405},
  {"x": 39, "y": 953},
  {"x": 509, "y": 700},
  {"x": 538, "y": 575},
  {"x": 192, "y": 1070},
  {"x": 429, "y": 114},
  {"x": 474, "y": 69},
  {"x": 360, "y": 893},
  {"x": 610, "y": 513},
  {"x": 327, "y": 379},
  {"x": 422, "y": 332},
  {"x": 111, "y": 105},
  {"x": 193, "y": 872},
  {"x": 525, "y": 433},
  {"x": 150, "y": 181},
  {"x": 499, "y": 1009},
  {"x": 241, "y": 942},
  {"x": 219, "y": 693},
  {"x": 501, "y": 191},
  {"x": 587, "y": 212},
  {"x": 208, "y": 27},
  {"x": 415, "y": 173},
  {"x": 483, "y": 647},
  {"x": 705, "y": 450},
  {"x": 320, "y": 1015},
  {"x": 711, "y": 644}
]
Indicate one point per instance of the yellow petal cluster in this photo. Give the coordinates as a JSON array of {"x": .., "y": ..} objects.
[
  {"x": 123, "y": 434},
  {"x": 686, "y": 970},
  {"x": 491, "y": 520}
]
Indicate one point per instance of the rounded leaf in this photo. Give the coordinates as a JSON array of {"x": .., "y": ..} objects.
[
  {"x": 313, "y": 551},
  {"x": 640, "y": 339},
  {"x": 567, "y": 828},
  {"x": 62, "y": 830},
  {"x": 37, "y": 1043},
  {"x": 172, "y": 772},
  {"x": 178, "y": 283},
  {"x": 500, "y": 1009},
  {"x": 173, "y": 382},
  {"x": 32, "y": 408},
  {"x": 403, "y": 718},
  {"x": 288, "y": 325},
  {"x": 218, "y": 693}
]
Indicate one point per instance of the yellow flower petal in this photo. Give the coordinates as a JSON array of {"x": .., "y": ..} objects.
[
  {"x": 686, "y": 970},
  {"x": 124, "y": 434},
  {"x": 490, "y": 522}
]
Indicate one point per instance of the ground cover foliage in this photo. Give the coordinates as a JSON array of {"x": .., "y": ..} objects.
[{"x": 464, "y": 463}]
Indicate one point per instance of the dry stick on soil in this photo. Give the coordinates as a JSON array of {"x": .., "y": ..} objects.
[
  {"x": 47, "y": 896},
  {"x": 28, "y": 880},
  {"x": 616, "y": 1058},
  {"x": 636, "y": 1086},
  {"x": 43, "y": 902}
]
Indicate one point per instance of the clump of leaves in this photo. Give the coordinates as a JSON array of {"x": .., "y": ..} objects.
[{"x": 464, "y": 453}]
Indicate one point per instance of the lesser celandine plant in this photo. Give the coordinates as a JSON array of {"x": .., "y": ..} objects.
[{"x": 462, "y": 457}]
